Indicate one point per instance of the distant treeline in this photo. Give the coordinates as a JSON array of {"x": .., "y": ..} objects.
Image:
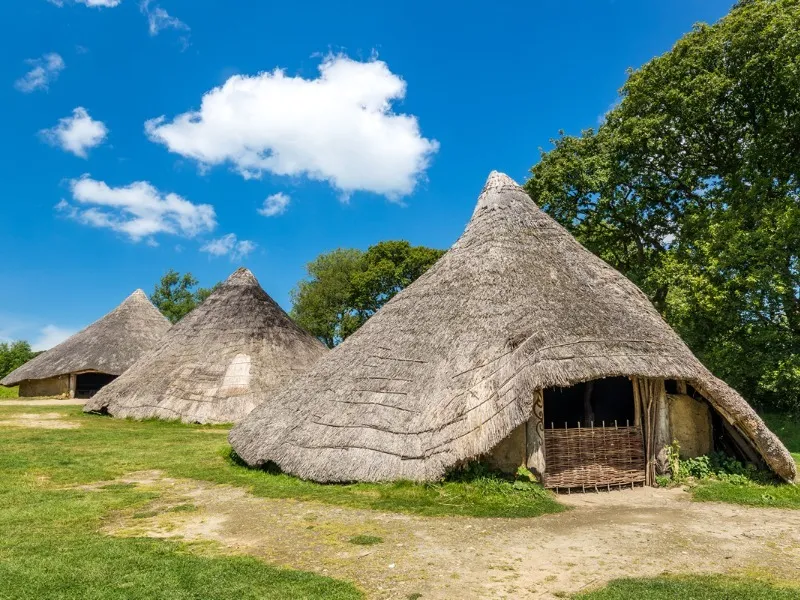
[{"x": 13, "y": 355}]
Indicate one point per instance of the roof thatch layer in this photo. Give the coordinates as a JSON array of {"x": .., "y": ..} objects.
[
  {"x": 217, "y": 363},
  {"x": 109, "y": 345},
  {"x": 447, "y": 368}
]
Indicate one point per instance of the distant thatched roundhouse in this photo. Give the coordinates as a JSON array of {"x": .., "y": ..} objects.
[
  {"x": 519, "y": 346},
  {"x": 85, "y": 362},
  {"x": 216, "y": 364}
]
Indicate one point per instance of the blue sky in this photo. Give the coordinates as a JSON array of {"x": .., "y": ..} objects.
[{"x": 201, "y": 135}]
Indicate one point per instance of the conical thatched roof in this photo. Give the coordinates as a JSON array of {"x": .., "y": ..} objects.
[
  {"x": 220, "y": 361},
  {"x": 109, "y": 345},
  {"x": 447, "y": 368}
]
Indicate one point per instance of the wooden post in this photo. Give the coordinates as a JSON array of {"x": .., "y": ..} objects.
[
  {"x": 661, "y": 431},
  {"x": 681, "y": 386},
  {"x": 637, "y": 403},
  {"x": 651, "y": 395},
  {"x": 73, "y": 382},
  {"x": 588, "y": 411},
  {"x": 535, "y": 437}
]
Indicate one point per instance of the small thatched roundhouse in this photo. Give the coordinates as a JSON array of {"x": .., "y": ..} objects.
[
  {"x": 518, "y": 346},
  {"x": 82, "y": 364},
  {"x": 216, "y": 364}
]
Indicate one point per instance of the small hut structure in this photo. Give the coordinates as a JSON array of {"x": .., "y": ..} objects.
[
  {"x": 217, "y": 363},
  {"x": 82, "y": 364},
  {"x": 518, "y": 346}
]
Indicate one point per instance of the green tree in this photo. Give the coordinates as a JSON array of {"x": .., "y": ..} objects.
[
  {"x": 175, "y": 296},
  {"x": 321, "y": 303},
  {"x": 14, "y": 355},
  {"x": 346, "y": 286},
  {"x": 691, "y": 187}
]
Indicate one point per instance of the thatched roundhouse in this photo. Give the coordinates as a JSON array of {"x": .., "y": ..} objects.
[
  {"x": 217, "y": 363},
  {"x": 82, "y": 364},
  {"x": 518, "y": 346}
]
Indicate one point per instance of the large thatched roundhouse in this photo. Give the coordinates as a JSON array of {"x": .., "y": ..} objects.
[
  {"x": 82, "y": 364},
  {"x": 217, "y": 363},
  {"x": 519, "y": 346}
]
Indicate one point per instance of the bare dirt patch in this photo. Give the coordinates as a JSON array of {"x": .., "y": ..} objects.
[
  {"x": 39, "y": 421},
  {"x": 44, "y": 402},
  {"x": 642, "y": 532}
]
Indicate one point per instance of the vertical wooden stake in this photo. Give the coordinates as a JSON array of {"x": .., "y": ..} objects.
[
  {"x": 534, "y": 436},
  {"x": 661, "y": 431}
]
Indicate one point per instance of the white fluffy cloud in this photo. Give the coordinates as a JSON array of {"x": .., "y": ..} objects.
[
  {"x": 44, "y": 70},
  {"x": 159, "y": 19},
  {"x": 275, "y": 205},
  {"x": 91, "y": 3},
  {"x": 49, "y": 336},
  {"x": 100, "y": 3},
  {"x": 229, "y": 245},
  {"x": 138, "y": 210},
  {"x": 339, "y": 127},
  {"x": 77, "y": 133}
]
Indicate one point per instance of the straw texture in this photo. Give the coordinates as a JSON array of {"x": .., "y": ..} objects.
[
  {"x": 217, "y": 363},
  {"x": 448, "y": 367},
  {"x": 109, "y": 345}
]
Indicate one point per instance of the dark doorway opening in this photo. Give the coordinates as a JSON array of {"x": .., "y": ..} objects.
[
  {"x": 608, "y": 401},
  {"x": 88, "y": 384},
  {"x": 590, "y": 437}
]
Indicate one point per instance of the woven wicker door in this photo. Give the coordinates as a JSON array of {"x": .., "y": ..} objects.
[{"x": 593, "y": 457}]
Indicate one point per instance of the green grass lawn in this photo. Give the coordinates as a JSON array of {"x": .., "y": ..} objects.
[
  {"x": 50, "y": 545},
  {"x": 50, "y": 540},
  {"x": 788, "y": 429},
  {"x": 105, "y": 448},
  {"x": 691, "y": 588},
  {"x": 9, "y": 392},
  {"x": 777, "y": 495}
]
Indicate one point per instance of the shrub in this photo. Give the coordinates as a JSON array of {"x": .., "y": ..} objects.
[{"x": 716, "y": 465}]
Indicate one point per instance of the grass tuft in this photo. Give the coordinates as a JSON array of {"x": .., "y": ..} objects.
[
  {"x": 365, "y": 540},
  {"x": 691, "y": 587},
  {"x": 758, "y": 491},
  {"x": 9, "y": 392}
]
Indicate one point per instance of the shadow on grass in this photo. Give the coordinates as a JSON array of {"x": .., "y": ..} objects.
[{"x": 473, "y": 491}]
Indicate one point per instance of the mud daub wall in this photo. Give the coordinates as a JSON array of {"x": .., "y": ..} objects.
[
  {"x": 53, "y": 386},
  {"x": 509, "y": 454},
  {"x": 690, "y": 425}
]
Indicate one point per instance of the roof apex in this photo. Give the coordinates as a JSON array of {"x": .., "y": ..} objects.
[
  {"x": 241, "y": 276},
  {"x": 492, "y": 195}
]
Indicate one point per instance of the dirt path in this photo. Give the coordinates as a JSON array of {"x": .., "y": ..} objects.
[
  {"x": 640, "y": 532},
  {"x": 44, "y": 402},
  {"x": 39, "y": 421}
]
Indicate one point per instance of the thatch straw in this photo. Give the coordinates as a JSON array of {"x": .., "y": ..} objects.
[
  {"x": 109, "y": 345},
  {"x": 217, "y": 363},
  {"x": 448, "y": 368}
]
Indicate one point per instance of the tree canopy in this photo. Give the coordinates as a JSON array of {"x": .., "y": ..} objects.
[
  {"x": 345, "y": 287},
  {"x": 175, "y": 296},
  {"x": 691, "y": 187},
  {"x": 14, "y": 355}
]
